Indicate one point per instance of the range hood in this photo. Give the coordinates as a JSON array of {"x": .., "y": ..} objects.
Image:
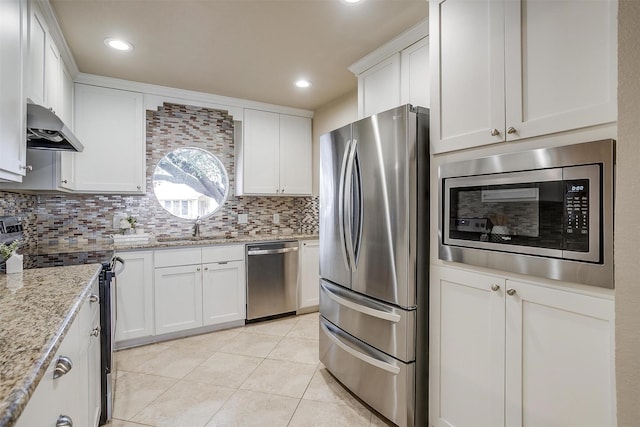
[{"x": 46, "y": 131}]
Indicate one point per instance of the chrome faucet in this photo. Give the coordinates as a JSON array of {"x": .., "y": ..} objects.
[{"x": 196, "y": 228}]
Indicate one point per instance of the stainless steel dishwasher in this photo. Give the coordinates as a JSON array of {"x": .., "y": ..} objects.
[{"x": 272, "y": 278}]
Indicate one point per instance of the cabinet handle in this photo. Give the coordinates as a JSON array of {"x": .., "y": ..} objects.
[
  {"x": 95, "y": 332},
  {"x": 64, "y": 421},
  {"x": 27, "y": 167},
  {"x": 495, "y": 287},
  {"x": 511, "y": 292},
  {"x": 511, "y": 130},
  {"x": 94, "y": 298},
  {"x": 63, "y": 366},
  {"x": 64, "y": 181},
  {"x": 495, "y": 132}
]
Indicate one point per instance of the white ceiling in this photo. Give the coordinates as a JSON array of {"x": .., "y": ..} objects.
[{"x": 249, "y": 49}]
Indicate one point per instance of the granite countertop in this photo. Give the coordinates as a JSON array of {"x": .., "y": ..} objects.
[
  {"x": 65, "y": 246},
  {"x": 37, "y": 308}
]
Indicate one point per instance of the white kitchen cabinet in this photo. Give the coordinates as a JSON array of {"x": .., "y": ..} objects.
[
  {"x": 13, "y": 39},
  {"x": 395, "y": 74},
  {"x": 195, "y": 287},
  {"x": 110, "y": 123},
  {"x": 309, "y": 286},
  {"x": 135, "y": 296},
  {"x": 379, "y": 87},
  {"x": 414, "y": 78},
  {"x": 37, "y": 50},
  {"x": 177, "y": 298},
  {"x": 506, "y": 70},
  {"x": 510, "y": 353},
  {"x": 275, "y": 155},
  {"x": 75, "y": 394},
  {"x": 223, "y": 292}
]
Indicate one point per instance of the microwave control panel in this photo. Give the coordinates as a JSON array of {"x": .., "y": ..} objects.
[{"x": 576, "y": 202}]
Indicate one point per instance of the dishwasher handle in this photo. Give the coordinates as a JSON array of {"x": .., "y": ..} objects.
[{"x": 271, "y": 251}]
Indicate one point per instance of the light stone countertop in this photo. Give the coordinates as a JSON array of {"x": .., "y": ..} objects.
[
  {"x": 63, "y": 246},
  {"x": 37, "y": 308}
]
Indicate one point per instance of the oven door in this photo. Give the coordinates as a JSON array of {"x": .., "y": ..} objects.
[{"x": 551, "y": 213}]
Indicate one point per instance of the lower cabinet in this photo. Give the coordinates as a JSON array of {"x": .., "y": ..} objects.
[
  {"x": 195, "y": 287},
  {"x": 510, "y": 353},
  {"x": 178, "y": 298},
  {"x": 135, "y": 296},
  {"x": 223, "y": 292},
  {"x": 309, "y": 286},
  {"x": 72, "y": 396}
]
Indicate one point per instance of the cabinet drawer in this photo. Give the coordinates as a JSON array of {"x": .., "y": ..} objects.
[
  {"x": 177, "y": 257},
  {"x": 223, "y": 253}
]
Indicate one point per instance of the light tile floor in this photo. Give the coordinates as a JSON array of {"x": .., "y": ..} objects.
[{"x": 263, "y": 374}]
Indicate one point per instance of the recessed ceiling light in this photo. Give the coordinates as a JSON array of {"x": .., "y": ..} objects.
[
  {"x": 303, "y": 83},
  {"x": 118, "y": 44}
]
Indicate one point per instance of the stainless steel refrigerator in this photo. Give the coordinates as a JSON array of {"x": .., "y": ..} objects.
[{"x": 374, "y": 241}]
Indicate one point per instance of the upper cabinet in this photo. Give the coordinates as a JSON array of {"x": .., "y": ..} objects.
[
  {"x": 397, "y": 73},
  {"x": 13, "y": 38},
  {"x": 506, "y": 70},
  {"x": 274, "y": 156},
  {"x": 110, "y": 124}
]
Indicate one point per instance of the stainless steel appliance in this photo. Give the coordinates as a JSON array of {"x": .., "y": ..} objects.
[
  {"x": 546, "y": 212},
  {"x": 272, "y": 279},
  {"x": 108, "y": 300},
  {"x": 374, "y": 237},
  {"x": 46, "y": 131}
]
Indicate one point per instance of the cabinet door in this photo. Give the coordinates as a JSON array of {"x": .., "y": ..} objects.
[
  {"x": 52, "y": 75},
  {"x": 467, "y": 351},
  {"x": 309, "y": 286},
  {"x": 260, "y": 152},
  {"x": 295, "y": 155},
  {"x": 223, "y": 292},
  {"x": 12, "y": 104},
  {"x": 560, "y": 65},
  {"x": 36, "y": 56},
  {"x": 414, "y": 66},
  {"x": 467, "y": 66},
  {"x": 178, "y": 298},
  {"x": 135, "y": 296},
  {"x": 65, "y": 109},
  {"x": 559, "y": 358},
  {"x": 110, "y": 124},
  {"x": 379, "y": 87}
]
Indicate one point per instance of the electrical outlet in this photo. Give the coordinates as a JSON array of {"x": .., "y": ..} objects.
[
  {"x": 276, "y": 218},
  {"x": 243, "y": 218}
]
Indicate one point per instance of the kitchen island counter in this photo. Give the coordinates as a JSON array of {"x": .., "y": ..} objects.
[{"x": 37, "y": 307}]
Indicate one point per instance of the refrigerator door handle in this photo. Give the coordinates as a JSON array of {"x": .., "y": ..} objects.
[
  {"x": 369, "y": 311},
  {"x": 348, "y": 201},
  {"x": 349, "y": 348},
  {"x": 341, "y": 206}
]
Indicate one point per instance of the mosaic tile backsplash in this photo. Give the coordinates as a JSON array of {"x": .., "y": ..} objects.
[{"x": 49, "y": 218}]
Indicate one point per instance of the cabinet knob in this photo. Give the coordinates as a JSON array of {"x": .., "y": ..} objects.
[
  {"x": 511, "y": 292},
  {"x": 198, "y": 269},
  {"x": 495, "y": 287},
  {"x": 282, "y": 191},
  {"x": 64, "y": 421},
  {"x": 206, "y": 269},
  {"x": 63, "y": 366},
  {"x": 511, "y": 130},
  {"x": 64, "y": 181},
  {"x": 27, "y": 167},
  {"x": 495, "y": 132},
  {"x": 95, "y": 332},
  {"x": 139, "y": 187},
  {"x": 94, "y": 298}
]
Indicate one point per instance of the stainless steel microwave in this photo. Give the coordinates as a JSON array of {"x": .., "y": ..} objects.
[{"x": 546, "y": 212}]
